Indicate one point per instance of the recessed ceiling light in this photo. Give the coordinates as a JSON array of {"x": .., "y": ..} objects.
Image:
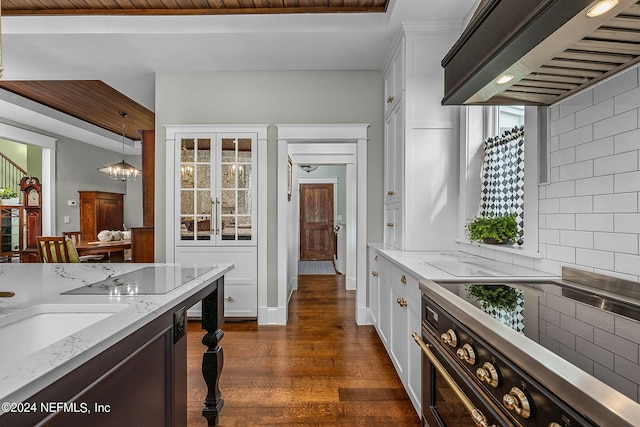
[
  {"x": 505, "y": 78},
  {"x": 601, "y": 7}
]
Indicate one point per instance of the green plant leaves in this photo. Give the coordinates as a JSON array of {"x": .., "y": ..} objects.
[{"x": 500, "y": 228}]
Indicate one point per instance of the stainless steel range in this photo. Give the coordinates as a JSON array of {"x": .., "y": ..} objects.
[{"x": 505, "y": 353}]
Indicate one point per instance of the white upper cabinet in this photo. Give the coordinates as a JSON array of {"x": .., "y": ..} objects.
[{"x": 420, "y": 167}]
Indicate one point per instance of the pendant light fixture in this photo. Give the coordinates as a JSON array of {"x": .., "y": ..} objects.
[{"x": 122, "y": 171}]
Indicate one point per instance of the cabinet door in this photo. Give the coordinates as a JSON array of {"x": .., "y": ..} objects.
[
  {"x": 394, "y": 155},
  {"x": 384, "y": 300},
  {"x": 398, "y": 338},
  {"x": 195, "y": 190},
  {"x": 414, "y": 355},
  {"x": 235, "y": 199},
  {"x": 393, "y": 225},
  {"x": 109, "y": 214},
  {"x": 374, "y": 287},
  {"x": 394, "y": 79}
]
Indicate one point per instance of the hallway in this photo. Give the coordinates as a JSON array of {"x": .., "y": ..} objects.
[{"x": 319, "y": 370}]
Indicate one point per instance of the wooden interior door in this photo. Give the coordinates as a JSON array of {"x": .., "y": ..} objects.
[{"x": 316, "y": 222}]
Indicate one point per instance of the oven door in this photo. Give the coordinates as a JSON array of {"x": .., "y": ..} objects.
[{"x": 449, "y": 397}]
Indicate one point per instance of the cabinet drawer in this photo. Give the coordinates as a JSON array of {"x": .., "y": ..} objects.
[
  {"x": 402, "y": 280},
  {"x": 239, "y": 300}
]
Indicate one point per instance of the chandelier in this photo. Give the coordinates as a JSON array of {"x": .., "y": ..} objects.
[{"x": 122, "y": 171}]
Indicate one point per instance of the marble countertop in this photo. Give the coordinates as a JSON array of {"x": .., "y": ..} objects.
[
  {"x": 451, "y": 266},
  {"x": 41, "y": 285}
]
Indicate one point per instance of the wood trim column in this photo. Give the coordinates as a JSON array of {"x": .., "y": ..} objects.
[{"x": 148, "y": 176}]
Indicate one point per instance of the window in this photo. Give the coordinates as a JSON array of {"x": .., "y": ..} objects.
[{"x": 502, "y": 189}]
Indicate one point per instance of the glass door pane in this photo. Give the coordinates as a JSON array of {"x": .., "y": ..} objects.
[
  {"x": 236, "y": 168},
  {"x": 195, "y": 189}
]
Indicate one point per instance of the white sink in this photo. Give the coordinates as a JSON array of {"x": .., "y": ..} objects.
[{"x": 28, "y": 331}]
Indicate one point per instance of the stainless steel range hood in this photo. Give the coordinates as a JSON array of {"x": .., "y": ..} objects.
[{"x": 552, "y": 48}]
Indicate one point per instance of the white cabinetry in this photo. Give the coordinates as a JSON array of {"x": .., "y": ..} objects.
[
  {"x": 212, "y": 205},
  {"x": 397, "y": 295},
  {"x": 420, "y": 165}
]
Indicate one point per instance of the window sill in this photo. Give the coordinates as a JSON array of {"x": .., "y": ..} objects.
[{"x": 511, "y": 249}]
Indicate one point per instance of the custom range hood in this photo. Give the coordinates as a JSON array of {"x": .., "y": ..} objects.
[{"x": 540, "y": 51}]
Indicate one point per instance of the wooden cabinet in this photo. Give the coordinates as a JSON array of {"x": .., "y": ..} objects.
[
  {"x": 99, "y": 211},
  {"x": 11, "y": 232},
  {"x": 420, "y": 168},
  {"x": 397, "y": 294}
]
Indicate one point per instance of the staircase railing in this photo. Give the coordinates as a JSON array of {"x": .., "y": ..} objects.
[{"x": 10, "y": 173}]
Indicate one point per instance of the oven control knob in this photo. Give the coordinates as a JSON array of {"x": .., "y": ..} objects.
[
  {"x": 467, "y": 354},
  {"x": 517, "y": 402},
  {"x": 450, "y": 337},
  {"x": 488, "y": 374}
]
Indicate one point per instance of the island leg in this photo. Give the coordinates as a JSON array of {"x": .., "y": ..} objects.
[{"x": 212, "y": 320}]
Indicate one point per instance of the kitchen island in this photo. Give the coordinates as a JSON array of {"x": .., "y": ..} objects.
[{"x": 103, "y": 344}]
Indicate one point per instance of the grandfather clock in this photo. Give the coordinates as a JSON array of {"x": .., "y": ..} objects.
[{"x": 32, "y": 201}]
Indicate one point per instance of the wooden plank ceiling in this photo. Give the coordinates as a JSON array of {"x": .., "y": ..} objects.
[
  {"x": 187, "y": 7},
  {"x": 608, "y": 49},
  {"x": 92, "y": 101}
]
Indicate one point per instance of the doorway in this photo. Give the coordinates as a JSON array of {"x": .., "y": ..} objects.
[
  {"x": 316, "y": 222},
  {"x": 303, "y": 144}
]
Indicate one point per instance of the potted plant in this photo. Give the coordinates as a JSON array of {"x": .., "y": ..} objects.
[
  {"x": 493, "y": 229},
  {"x": 494, "y": 296},
  {"x": 8, "y": 196}
]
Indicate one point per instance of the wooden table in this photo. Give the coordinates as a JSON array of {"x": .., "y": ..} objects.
[{"x": 114, "y": 249}]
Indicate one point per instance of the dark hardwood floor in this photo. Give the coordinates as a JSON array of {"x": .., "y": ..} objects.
[{"x": 319, "y": 370}]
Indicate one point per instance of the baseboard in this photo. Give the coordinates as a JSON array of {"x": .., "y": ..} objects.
[
  {"x": 363, "y": 317},
  {"x": 272, "y": 316}
]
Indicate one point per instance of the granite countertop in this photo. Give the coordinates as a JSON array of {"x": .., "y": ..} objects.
[
  {"x": 451, "y": 266},
  {"x": 112, "y": 314}
]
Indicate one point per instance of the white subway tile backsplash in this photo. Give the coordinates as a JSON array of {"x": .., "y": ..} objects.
[
  {"x": 595, "y": 259},
  {"x": 554, "y": 113},
  {"x": 628, "y": 141},
  {"x": 550, "y": 316},
  {"x": 561, "y": 221},
  {"x": 575, "y": 103},
  {"x": 583, "y": 204},
  {"x": 562, "y": 125},
  {"x": 595, "y": 149},
  {"x": 623, "y": 82},
  {"x": 627, "y": 369},
  {"x": 554, "y": 175},
  {"x": 577, "y": 327},
  {"x": 616, "y": 242},
  {"x": 622, "y": 202},
  {"x": 598, "y": 354},
  {"x": 560, "y": 189},
  {"x": 627, "y": 101},
  {"x": 625, "y": 348},
  {"x": 562, "y": 157},
  {"x": 577, "y": 239},
  {"x": 617, "y": 163},
  {"x": 614, "y": 125},
  {"x": 627, "y": 223},
  {"x": 560, "y": 335},
  {"x": 603, "y": 319},
  {"x": 561, "y": 253},
  {"x": 627, "y": 328},
  {"x": 595, "y": 185},
  {"x": 577, "y": 170},
  {"x": 577, "y": 359},
  {"x": 629, "y": 264},
  {"x": 629, "y": 181},
  {"x": 574, "y": 137},
  {"x": 617, "y": 381},
  {"x": 549, "y": 236},
  {"x": 594, "y": 222},
  {"x": 554, "y": 144},
  {"x": 597, "y": 112},
  {"x": 549, "y": 206}
]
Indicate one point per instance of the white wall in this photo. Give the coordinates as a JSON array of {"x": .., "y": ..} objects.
[
  {"x": 76, "y": 170},
  {"x": 273, "y": 97},
  {"x": 589, "y": 212}
]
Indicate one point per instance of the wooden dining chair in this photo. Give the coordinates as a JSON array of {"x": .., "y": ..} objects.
[
  {"x": 76, "y": 238},
  {"x": 56, "y": 250}
]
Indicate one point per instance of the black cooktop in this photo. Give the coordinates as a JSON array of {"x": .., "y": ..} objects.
[
  {"x": 145, "y": 281},
  {"x": 597, "y": 330}
]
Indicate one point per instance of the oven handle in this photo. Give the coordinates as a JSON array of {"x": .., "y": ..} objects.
[{"x": 479, "y": 419}]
